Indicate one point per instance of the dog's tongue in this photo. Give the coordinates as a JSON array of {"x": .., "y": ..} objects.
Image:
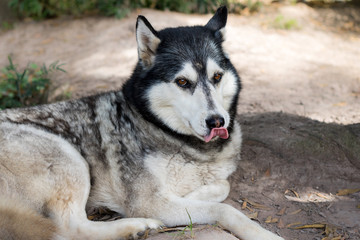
[{"x": 221, "y": 132}]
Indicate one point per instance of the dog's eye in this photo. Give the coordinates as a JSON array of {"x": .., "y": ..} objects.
[
  {"x": 182, "y": 82},
  {"x": 217, "y": 77}
]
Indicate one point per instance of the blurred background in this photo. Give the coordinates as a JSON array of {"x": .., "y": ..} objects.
[
  {"x": 42, "y": 9},
  {"x": 302, "y": 56},
  {"x": 299, "y": 108}
]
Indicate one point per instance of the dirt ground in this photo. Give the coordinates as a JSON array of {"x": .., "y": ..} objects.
[{"x": 299, "y": 107}]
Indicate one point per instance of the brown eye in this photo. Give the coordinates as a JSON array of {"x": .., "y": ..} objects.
[
  {"x": 182, "y": 82},
  {"x": 217, "y": 77}
]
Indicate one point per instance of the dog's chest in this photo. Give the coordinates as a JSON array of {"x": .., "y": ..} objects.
[{"x": 182, "y": 176}]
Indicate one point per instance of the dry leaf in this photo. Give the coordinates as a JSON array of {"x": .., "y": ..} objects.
[
  {"x": 348, "y": 25},
  {"x": 295, "y": 212},
  {"x": 171, "y": 229},
  {"x": 268, "y": 219},
  {"x": 343, "y": 192},
  {"x": 281, "y": 224},
  {"x": 337, "y": 238},
  {"x": 281, "y": 212},
  {"x": 146, "y": 235},
  {"x": 293, "y": 191},
  {"x": 258, "y": 206},
  {"x": 253, "y": 215},
  {"x": 274, "y": 220},
  {"x": 293, "y": 224},
  {"x": 244, "y": 205},
  {"x": 322, "y": 195},
  {"x": 315, "y": 225},
  {"x": 267, "y": 173},
  {"x": 245, "y": 12},
  {"x": 329, "y": 229},
  {"x": 355, "y": 93},
  {"x": 358, "y": 206},
  {"x": 340, "y": 104},
  {"x": 249, "y": 208},
  {"x": 255, "y": 205}
]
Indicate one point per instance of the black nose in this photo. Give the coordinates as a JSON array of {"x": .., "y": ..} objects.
[{"x": 215, "y": 122}]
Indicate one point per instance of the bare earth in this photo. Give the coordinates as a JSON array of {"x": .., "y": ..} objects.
[{"x": 299, "y": 107}]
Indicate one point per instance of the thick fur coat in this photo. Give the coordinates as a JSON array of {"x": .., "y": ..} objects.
[{"x": 157, "y": 150}]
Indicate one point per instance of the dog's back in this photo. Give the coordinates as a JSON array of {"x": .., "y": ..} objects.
[{"x": 157, "y": 151}]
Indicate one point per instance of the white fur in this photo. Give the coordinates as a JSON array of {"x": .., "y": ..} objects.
[
  {"x": 188, "y": 72},
  {"x": 180, "y": 177},
  {"x": 43, "y": 169},
  {"x": 61, "y": 181},
  {"x": 227, "y": 86},
  {"x": 196, "y": 188},
  {"x": 220, "y": 93},
  {"x": 186, "y": 112},
  {"x": 167, "y": 101}
]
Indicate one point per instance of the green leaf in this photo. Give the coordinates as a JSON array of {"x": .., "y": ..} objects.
[
  {"x": 33, "y": 66},
  {"x": 29, "y": 87}
]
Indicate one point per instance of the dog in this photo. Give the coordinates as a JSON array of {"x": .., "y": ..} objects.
[{"x": 155, "y": 151}]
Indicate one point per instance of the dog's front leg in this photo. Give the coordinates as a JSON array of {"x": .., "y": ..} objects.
[
  {"x": 215, "y": 192},
  {"x": 173, "y": 211}
]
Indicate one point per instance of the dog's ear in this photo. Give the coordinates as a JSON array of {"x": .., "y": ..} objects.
[
  {"x": 218, "y": 21},
  {"x": 147, "y": 41}
]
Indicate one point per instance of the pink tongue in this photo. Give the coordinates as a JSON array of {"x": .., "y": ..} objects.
[{"x": 221, "y": 132}]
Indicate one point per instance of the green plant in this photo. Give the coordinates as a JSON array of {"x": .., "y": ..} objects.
[
  {"x": 30, "y": 87},
  {"x": 7, "y": 25},
  {"x": 281, "y": 22},
  {"x": 116, "y": 8},
  {"x": 120, "y": 8},
  {"x": 41, "y": 9},
  {"x": 67, "y": 94},
  {"x": 189, "y": 227},
  {"x": 253, "y": 6}
]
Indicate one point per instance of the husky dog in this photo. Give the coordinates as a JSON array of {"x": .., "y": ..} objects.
[{"x": 157, "y": 150}]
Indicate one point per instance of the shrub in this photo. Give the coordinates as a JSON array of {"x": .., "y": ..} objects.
[
  {"x": 281, "y": 22},
  {"x": 40, "y": 9},
  {"x": 30, "y": 87}
]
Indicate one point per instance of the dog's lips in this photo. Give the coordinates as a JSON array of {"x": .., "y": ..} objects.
[{"x": 221, "y": 132}]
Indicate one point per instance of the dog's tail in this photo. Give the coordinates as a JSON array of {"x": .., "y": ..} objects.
[{"x": 20, "y": 223}]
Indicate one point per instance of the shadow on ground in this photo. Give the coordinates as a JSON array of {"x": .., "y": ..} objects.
[
  {"x": 291, "y": 170},
  {"x": 294, "y": 166}
]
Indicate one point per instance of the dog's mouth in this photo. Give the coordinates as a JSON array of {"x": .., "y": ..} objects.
[{"x": 220, "y": 132}]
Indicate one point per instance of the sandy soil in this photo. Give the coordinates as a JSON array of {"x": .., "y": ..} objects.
[{"x": 299, "y": 108}]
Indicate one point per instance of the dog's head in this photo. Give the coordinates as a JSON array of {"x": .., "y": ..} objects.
[{"x": 184, "y": 81}]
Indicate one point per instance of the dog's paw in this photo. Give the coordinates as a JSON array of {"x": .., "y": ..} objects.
[
  {"x": 143, "y": 226},
  {"x": 154, "y": 223}
]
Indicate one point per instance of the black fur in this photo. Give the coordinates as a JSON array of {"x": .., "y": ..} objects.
[{"x": 178, "y": 45}]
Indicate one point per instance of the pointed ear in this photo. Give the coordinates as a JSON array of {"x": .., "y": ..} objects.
[
  {"x": 218, "y": 21},
  {"x": 147, "y": 41}
]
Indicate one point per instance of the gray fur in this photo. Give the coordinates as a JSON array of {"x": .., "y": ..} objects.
[{"x": 112, "y": 150}]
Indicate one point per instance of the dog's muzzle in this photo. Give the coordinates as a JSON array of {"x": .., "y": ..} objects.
[{"x": 216, "y": 123}]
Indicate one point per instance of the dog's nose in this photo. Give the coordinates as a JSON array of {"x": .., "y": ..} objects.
[{"x": 215, "y": 122}]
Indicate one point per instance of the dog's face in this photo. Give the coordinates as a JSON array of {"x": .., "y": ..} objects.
[{"x": 190, "y": 84}]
